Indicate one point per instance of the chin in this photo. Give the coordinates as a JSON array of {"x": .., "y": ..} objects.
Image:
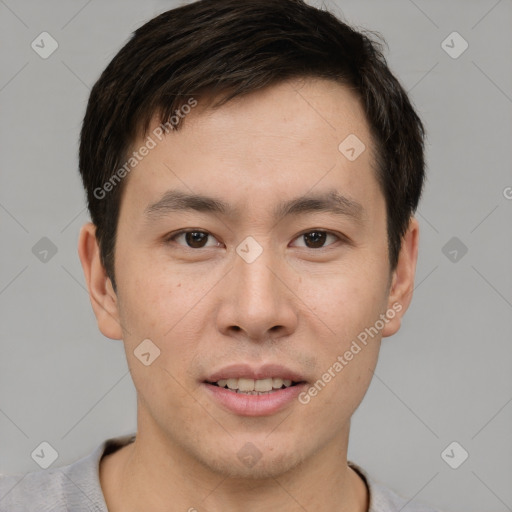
[{"x": 252, "y": 461}]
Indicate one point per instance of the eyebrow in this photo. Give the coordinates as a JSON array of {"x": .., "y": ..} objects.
[{"x": 330, "y": 201}]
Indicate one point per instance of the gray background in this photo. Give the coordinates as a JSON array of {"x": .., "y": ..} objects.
[{"x": 444, "y": 377}]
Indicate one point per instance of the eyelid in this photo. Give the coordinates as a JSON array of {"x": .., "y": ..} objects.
[
  {"x": 339, "y": 236},
  {"x": 170, "y": 237},
  {"x": 342, "y": 238}
]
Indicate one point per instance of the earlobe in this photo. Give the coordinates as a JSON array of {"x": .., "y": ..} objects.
[
  {"x": 103, "y": 298},
  {"x": 402, "y": 284}
]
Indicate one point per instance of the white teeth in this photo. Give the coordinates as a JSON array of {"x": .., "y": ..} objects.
[
  {"x": 277, "y": 383},
  {"x": 232, "y": 383},
  {"x": 246, "y": 384},
  {"x": 253, "y": 386},
  {"x": 263, "y": 385}
]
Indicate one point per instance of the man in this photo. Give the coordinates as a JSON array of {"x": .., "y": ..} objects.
[{"x": 252, "y": 170}]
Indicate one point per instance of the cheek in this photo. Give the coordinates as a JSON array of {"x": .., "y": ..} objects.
[
  {"x": 159, "y": 305},
  {"x": 347, "y": 301},
  {"x": 154, "y": 295},
  {"x": 161, "y": 308},
  {"x": 347, "y": 354},
  {"x": 347, "y": 307}
]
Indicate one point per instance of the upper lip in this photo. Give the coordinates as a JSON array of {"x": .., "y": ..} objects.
[{"x": 248, "y": 371}]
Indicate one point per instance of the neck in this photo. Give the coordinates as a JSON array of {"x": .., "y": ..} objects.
[{"x": 152, "y": 473}]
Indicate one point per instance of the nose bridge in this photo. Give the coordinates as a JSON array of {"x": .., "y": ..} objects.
[
  {"x": 254, "y": 277},
  {"x": 258, "y": 301}
]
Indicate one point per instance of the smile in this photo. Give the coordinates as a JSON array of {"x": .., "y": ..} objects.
[{"x": 254, "y": 386}]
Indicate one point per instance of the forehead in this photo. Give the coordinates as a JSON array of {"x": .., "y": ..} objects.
[
  {"x": 291, "y": 137},
  {"x": 300, "y": 110}
]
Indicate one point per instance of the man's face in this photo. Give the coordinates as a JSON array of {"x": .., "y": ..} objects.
[{"x": 255, "y": 293}]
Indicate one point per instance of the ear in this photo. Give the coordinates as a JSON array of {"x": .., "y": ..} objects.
[
  {"x": 402, "y": 281},
  {"x": 102, "y": 295}
]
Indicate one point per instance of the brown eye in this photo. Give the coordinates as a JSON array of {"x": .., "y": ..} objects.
[
  {"x": 193, "y": 239},
  {"x": 196, "y": 239},
  {"x": 316, "y": 239}
]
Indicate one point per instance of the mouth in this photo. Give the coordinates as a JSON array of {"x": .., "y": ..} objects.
[
  {"x": 245, "y": 390},
  {"x": 248, "y": 386}
]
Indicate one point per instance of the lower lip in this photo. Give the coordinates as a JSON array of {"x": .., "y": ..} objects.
[{"x": 254, "y": 405}]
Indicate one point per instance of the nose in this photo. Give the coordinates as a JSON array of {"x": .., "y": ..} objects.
[{"x": 258, "y": 302}]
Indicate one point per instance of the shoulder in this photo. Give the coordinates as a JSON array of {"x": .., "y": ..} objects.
[
  {"x": 38, "y": 490},
  {"x": 73, "y": 487},
  {"x": 384, "y": 499}
]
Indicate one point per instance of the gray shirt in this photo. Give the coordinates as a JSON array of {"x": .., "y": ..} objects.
[{"x": 76, "y": 487}]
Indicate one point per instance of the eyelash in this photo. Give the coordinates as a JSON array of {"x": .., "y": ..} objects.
[{"x": 173, "y": 236}]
